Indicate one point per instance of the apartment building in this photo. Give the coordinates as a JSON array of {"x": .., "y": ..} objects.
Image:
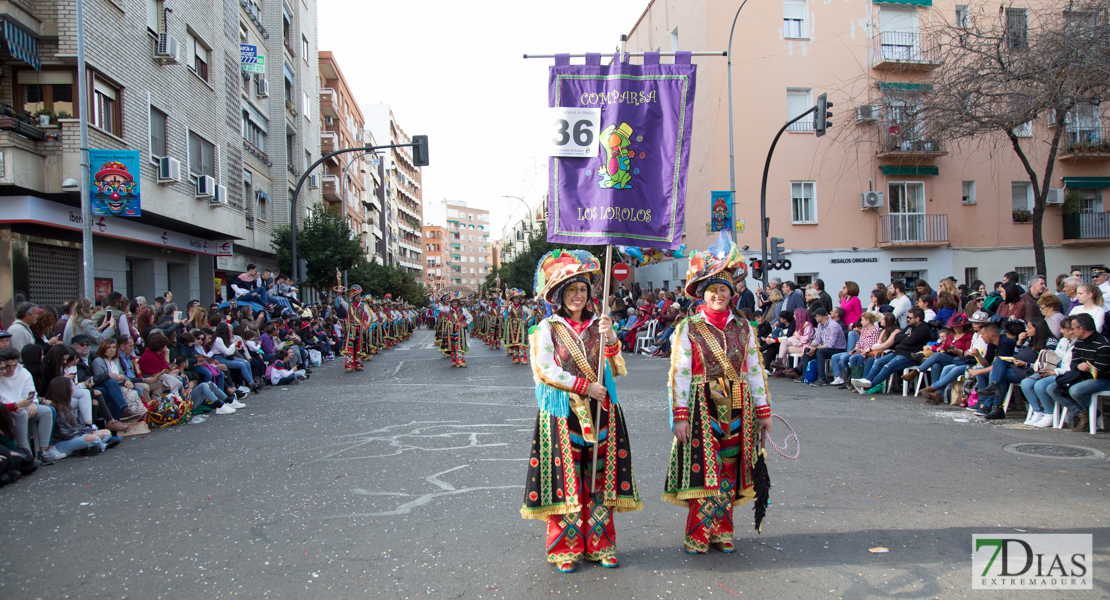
[
  {"x": 344, "y": 183},
  {"x": 436, "y": 257},
  {"x": 527, "y": 213},
  {"x": 470, "y": 250},
  {"x": 873, "y": 200},
  {"x": 214, "y": 180},
  {"x": 403, "y": 206}
]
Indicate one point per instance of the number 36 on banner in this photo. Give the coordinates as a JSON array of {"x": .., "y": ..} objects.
[{"x": 574, "y": 131}]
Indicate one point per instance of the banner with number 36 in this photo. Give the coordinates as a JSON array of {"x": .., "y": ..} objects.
[{"x": 575, "y": 131}]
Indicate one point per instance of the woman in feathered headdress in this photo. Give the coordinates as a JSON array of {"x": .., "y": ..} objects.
[
  {"x": 516, "y": 336},
  {"x": 458, "y": 319},
  {"x": 718, "y": 397},
  {"x": 565, "y": 351}
]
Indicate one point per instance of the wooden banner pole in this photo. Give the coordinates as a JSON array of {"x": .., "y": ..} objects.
[{"x": 606, "y": 275}]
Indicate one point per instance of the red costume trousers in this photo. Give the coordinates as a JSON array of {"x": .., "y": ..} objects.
[
  {"x": 588, "y": 534},
  {"x": 709, "y": 520}
]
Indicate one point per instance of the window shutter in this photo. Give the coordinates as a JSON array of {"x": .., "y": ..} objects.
[
  {"x": 794, "y": 9},
  {"x": 104, "y": 89}
]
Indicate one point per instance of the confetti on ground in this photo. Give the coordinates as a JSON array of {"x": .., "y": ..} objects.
[{"x": 879, "y": 550}]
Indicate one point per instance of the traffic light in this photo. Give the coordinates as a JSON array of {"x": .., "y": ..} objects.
[
  {"x": 757, "y": 268},
  {"x": 420, "y": 150},
  {"x": 821, "y": 119},
  {"x": 776, "y": 250},
  {"x": 301, "y": 275}
]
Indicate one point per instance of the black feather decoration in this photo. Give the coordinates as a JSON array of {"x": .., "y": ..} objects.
[{"x": 762, "y": 482}]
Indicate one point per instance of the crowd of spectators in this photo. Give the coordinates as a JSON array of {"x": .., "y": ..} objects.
[{"x": 74, "y": 378}]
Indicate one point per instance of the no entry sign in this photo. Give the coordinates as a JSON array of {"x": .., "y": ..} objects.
[{"x": 620, "y": 271}]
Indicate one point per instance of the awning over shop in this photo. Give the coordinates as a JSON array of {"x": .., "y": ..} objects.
[
  {"x": 912, "y": 2},
  {"x": 1087, "y": 182},
  {"x": 21, "y": 45},
  {"x": 918, "y": 171},
  {"x": 891, "y": 85}
]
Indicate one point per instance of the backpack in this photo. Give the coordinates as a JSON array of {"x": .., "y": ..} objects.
[
  {"x": 991, "y": 302},
  {"x": 810, "y": 374}
]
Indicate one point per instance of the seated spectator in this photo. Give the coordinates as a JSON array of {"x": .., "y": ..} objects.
[
  {"x": 782, "y": 327},
  {"x": 828, "y": 339},
  {"x": 946, "y": 306},
  {"x": 31, "y": 359},
  {"x": 1035, "y": 388},
  {"x": 925, "y": 303},
  {"x": 878, "y": 300},
  {"x": 1034, "y": 343},
  {"x": 1049, "y": 307},
  {"x": 1002, "y": 343},
  {"x": 154, "y": 362},
  {"x": 71, "y": 436},
  {"x": 906, "y": 343},
  {"x": 796, "y": 343},
  {"x": 280, "y": 375},
  {"x": 1090, "y": 359},
  {"x": 867, "y": 337},
  {"x": 82, "y": 324},
  {"x": 17, "y": 392},
  {"x": 224, "y": 351},
  {"x": 108, "y": 387},
  {"x": 207, "y": 394},
  {"x": 948, "y": 352},
  {"x": 1011, "y": 306},
  {"x": 921, "y": 289},
  {"x": 1090, "y": 303},
  {"x": 107, "y": 362}
]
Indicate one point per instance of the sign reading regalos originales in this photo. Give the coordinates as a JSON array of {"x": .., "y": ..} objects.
[
  {"x": 250, "y": 60},
  {"x": 632, "y": 190},
  {"x": 115, "y": 183}
]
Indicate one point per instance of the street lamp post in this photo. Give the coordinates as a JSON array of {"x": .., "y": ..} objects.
[{"x": 731, "y": 150}]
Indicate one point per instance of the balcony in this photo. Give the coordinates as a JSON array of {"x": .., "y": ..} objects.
[
  {"x": 330, "y": 187},
  {"x": 1087, "y": 229},
  {"x": 327, "y": 103},
  {"x": 913, "y": 231},
  {"x": 907, "y": 142},
  {"x": 1085, "y": 145},
  {"x": 904, "y": 51}
]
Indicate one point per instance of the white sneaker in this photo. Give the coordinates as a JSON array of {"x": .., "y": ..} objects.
[
  {"x": 236, "y": 404},
  {"x": 1033, "y": 417},
  {"x": 225, "y": 410},
  {"x": 837, "y": 381},
  {"x": 1044, "y": 421},
  {"x": 244, "y": 389}
]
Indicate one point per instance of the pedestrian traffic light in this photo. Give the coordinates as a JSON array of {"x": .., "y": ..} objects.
[
  {"x": 301, "y": 275},
  {"x": 821, "y": 118},
  {"x": 420, "y": 150},
  {"x": 776, "y": 250},
  {"x": 757, "y": 268}
]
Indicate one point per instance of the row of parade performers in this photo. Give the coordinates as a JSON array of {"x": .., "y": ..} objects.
[
  {"x": 492, "y": 320},
  {"x": 369, "y": 325}
]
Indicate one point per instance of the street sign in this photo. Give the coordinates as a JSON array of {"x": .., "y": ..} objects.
[
  {"x": 620, "y": 271},
  {"x": 250, "y": 60},
  {"x": 574, "y": 131}
]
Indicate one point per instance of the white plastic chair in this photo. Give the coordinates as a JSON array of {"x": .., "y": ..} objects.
[
  {"x": 1095, "y": 416},
  {"x": 646, "y": 341}
]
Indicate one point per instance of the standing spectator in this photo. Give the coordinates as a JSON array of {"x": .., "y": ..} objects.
[
  {"x": 67, "y": 312},
  {"x": 26, "y": 314},
  {"x": 744, "y": 297},
  {"x": 900, "y": 303},
  {"x": 82, "y": 324},
  {"x": 1014, "y": 278},
  {"x": 1037, "y": 287},
  {"x": 794, "y": 298},
  {"x": 1091, "y": 302},
  {"x": 1101, "y": 278},
  {"x": 1069, "y": 300},
  {"x": 1061, "y": 295},
  {"x": 921, "y": 288},
  {"x": 849, "y": 301},
  {"x": 1090, "y": 356},
  {"x": 826, "y": 299},
  {"x": 878, "y": 300}
]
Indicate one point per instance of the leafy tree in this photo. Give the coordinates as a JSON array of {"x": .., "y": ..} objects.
[
  {"x": 379, "y": 280},
  {"x": 326, "y": 241},
  {"x": 520, "y": 272}
]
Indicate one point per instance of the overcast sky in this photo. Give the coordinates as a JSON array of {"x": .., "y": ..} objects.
[{"x": 454, "y": 71}]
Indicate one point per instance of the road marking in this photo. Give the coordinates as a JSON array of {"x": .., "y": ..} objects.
[{"x": 398, "y": 369}]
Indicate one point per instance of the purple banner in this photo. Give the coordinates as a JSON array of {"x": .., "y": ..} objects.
[{"x": 633, "y": 192}]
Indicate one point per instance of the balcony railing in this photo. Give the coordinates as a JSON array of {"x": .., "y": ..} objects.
[
  {"x": 1087, "y": 226},
  {"x": 907, "y": 139},
  {"x": 905, "y": 50},
  {"x": 913, "y": 229}
]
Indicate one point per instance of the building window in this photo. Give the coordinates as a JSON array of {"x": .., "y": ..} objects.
[
  {"x": 797, "y": 102},
  {"x": 971, "y": 274},
  {"x": 304, "y": 48},
  {"x": 307, "y": 159},
  {"x": 158, "y": 121},
  {"x": 803, "y": 206},
  {"x": 962, "y": 16},
  {"x": 1022, "y": 194},
  {"x": 46, "y": 90},
  {"x": 794, "y": 19},
  {"x": 202, "y": 156},
  {"x": 1026, "y": 274},
  {"x": 263, "y": 205},
  {"x": 253, "y": 132},
  {"x": 106, "y": 109},
  {"x": 1016, "y": 29},
  {"x": 200, "y": 57},
  {"x": 152, "y": 10},
  {"x": 969, "y": 192},
  {"x": 306, "y": 104}
]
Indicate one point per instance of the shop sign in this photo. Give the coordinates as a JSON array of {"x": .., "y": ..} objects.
[
  {"x": 851, "y": 261},
  {"x": 915, "y": 259}
]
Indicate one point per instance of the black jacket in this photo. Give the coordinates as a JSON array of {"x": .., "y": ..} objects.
[
  {"x": 906, "y": 344},
  {"x": 84, "y": 372}
]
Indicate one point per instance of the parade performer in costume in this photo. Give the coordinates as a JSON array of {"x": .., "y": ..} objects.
[
  {"x": 481, "y": 322},
  {"x": 496, "y": 323},
  {"x": 516, "y": 339},
  {"x": 457, "y": 320},
  {"x": 442, "y": 337},
  {"x": 718, "y": 398},
  {"x": 352, "y": 348},
  {"x": 366, "y": 320},
  {"x": 565, "y": 352}
]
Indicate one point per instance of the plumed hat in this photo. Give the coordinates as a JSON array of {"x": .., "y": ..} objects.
[
  {"x": 721, "y": 263},
  {"x": 558, "y": 267}
]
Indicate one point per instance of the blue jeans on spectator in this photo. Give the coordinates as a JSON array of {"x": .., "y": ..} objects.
[
  {"x": 821, "y": 356},
  {"x": 286, "y": 380},
  {"x": 237, "y": 364},
  {"x": 1035, "y": 389},
  {"x": 203, "y": 374},
  {"x": 109, "y": 389},
  {"x": 948, "y": 376},
  {"x": 1078, "y": 398},
  {"x": 79, "y": 443},
  {"x": 1001, "y": 373},
  {"x": 207, "y": 393},
  {"x": 853, "y": 339},
  {"x": 840, "y": 366},
  {"x": 935, "y": 365},
  {"x": 887, "y": 366}
]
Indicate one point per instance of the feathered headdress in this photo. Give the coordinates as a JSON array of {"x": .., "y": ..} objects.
[
  {"x": 721, "y": 263},
  {"x": 558, "y": 267}
]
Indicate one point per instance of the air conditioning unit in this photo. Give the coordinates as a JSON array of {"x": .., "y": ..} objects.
[
  {"x": 169, "y": 170},
  {"x": 869, "y": 200},
  {"x": 167, "y": 49},
  {"x": 220, "y": 197},
  {"x": 263, "y": 87},
  {"x": 1055, "y": 196},
  {"x": 313, "y": 182},
  {"x": 329, "y": 121},
  {"x": 206, "y": 186},
  {"x": 866, "y": 113}
]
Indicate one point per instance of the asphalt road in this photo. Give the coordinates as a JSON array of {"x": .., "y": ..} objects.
[{"x": 406, "y": 481}]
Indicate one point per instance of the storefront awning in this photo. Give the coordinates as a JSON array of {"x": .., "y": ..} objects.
[
  {"x": 918, "y": 171},
  {"x": 911, "y": 2},
  {"x": 1087, "y": 182},
  {"x": 21, "y": 45}
]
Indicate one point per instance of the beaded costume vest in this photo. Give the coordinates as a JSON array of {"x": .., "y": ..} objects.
[{"x": 733, "y": 340}]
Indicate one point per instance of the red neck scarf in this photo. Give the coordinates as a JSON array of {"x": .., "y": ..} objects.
[
  {"x": 716, "y": 318},
  {"x": 576, "y": 326}
]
